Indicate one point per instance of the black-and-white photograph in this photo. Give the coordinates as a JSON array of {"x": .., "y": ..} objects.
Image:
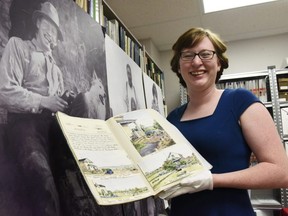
[
  {"x": 153, "y": 95},
  {"x": 125, "y": 83},
  {"x": 76, "y": 53},
  {"x": 52, "y": 59}
]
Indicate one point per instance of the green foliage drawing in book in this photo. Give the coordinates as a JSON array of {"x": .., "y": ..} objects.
[{"x": 130, "y": 156}]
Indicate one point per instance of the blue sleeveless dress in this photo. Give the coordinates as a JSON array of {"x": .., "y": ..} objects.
[{"x": 219, "y": 139}]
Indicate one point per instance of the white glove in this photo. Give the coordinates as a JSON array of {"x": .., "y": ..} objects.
[{"x": 190, "y": 184}]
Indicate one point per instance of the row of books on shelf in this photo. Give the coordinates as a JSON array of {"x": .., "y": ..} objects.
[
  {"x": 153, "y": 71},
  {"x": 283, "y": 83},
  {"x": 257, "y": 86},
  {"x": 118, "y": 34},
  {"x": 92, "y": 7},
  {"x": 283, "y": 87}
]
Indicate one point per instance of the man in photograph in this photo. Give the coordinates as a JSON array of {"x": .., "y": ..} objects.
[
  {"x": 154, "y": 103},
  {"x": 31, "y": 86},
  {"x": 131, "y": 98}
]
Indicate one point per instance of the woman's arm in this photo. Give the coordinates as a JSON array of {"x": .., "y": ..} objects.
[{"x": 262, "y": 136}]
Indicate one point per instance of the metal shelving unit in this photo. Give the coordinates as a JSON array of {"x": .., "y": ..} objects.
[{"x": 276, "y": 108}]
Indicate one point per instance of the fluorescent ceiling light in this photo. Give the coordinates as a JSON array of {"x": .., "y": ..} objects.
[{"x": 218, "y": 5}]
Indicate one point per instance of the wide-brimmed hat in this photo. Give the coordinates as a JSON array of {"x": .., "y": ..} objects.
[{"x": 49, "y": 12}]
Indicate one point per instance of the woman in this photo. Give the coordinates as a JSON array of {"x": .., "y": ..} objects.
[{"x": 225, "y": 126}]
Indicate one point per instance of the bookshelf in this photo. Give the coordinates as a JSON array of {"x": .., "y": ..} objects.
[
  {"x": 121, "y": 35},
  {"x": 118, "y": 32},
  {"x": 256, "y": 82},
  {"x": 271, "y": 87}
]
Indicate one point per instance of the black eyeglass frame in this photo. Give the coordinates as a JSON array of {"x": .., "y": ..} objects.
[{"x": 198, "y": 54}]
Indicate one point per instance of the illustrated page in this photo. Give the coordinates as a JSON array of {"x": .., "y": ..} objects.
[
  {"x": 111, "y": 175},
  {"x": 160, "y": 150}
]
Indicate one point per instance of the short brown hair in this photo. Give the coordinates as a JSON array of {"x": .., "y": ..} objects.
[{"x": 191, "y": 38}]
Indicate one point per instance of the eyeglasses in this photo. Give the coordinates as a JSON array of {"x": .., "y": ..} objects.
[{"x": 203, "y": 55}]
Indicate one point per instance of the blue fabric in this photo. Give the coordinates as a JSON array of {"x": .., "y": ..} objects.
[{"x": 219, "y": 139}]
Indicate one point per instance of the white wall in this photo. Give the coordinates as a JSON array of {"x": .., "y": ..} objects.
[
  {"x": 171, "y": 84},
  {"x": 244, "y": 56},
  {"x": 257, "y": 54}
]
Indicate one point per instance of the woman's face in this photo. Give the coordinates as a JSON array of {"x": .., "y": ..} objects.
[{"x": 200, "y": 74}]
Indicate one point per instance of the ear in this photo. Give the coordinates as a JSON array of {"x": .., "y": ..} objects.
[
  {"x": 218, "y": 65},
  {"x": 37, "y": 23},
  {"x": 94, "y": 75}
]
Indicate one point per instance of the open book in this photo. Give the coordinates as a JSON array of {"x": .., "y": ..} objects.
[{"x": 130, "y": 156}]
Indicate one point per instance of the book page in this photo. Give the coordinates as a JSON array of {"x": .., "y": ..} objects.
[
  {"x": 160, "y": 150},
  {"x": 111, "y": 175}
]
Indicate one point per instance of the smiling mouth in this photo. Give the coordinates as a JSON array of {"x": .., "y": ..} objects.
[{"x": 197, "y": 73}]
